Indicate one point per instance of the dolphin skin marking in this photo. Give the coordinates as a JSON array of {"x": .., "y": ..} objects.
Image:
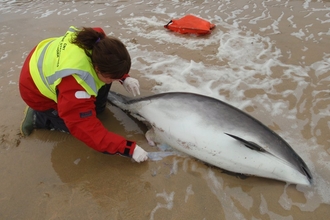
[{"x": 216, "y": 133}]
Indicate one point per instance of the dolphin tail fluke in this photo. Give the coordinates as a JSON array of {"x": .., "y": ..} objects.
[{"x": 249, "y": 144}]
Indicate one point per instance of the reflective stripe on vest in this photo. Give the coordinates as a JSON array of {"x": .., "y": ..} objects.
[
  {"x": 40, "y": 62},
  {"x": 86, "y": 76}
]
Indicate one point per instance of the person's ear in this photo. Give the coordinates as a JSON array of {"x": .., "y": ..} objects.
[{"x": 97, "y": 69}]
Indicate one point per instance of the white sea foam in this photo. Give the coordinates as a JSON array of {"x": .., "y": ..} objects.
[
  {"x": 168, "y": 202},
  {"x": 189, "y": 192},
  {"x": 76, "y": 162},
  {"x": 264, "y": 210}
]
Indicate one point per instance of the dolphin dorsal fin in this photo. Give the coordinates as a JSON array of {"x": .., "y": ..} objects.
[{"x": 249, "y": 144}]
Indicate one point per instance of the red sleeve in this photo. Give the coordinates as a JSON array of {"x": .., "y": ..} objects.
[{"x": 80, "y": 117}]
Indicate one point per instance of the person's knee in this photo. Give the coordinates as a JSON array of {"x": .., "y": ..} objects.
[{"x": 50, "y": 120}]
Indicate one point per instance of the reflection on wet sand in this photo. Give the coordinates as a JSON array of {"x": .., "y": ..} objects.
[{"x": 268, "y": 58}]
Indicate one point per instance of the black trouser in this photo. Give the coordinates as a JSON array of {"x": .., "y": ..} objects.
[{"x": 49, "y": 119}]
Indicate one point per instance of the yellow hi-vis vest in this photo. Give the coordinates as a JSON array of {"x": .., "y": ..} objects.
[{"x": 55, "y": 58}]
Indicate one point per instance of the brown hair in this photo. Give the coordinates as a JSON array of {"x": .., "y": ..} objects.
[{"x": 108, "y": 54}]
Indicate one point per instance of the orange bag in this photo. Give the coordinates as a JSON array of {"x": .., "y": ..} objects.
[{"x": 190, "y": 24}]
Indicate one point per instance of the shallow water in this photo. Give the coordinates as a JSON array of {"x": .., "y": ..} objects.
[{"x": 268, "y": 58}]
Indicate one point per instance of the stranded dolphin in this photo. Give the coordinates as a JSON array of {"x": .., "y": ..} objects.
[{"x": 216, "y": 133}]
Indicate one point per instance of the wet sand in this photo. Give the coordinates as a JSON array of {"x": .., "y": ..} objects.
[{"x": 51, "y": 175}]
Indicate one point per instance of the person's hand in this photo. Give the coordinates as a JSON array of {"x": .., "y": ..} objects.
[
  {"x": 132, "y": 85},
  {"x": 139, "y": 155}
]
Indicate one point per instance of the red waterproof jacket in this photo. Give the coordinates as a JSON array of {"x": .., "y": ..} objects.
[{"x": 88, "y": 129}]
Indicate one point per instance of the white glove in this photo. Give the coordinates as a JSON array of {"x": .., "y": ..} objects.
[
  {"x": 139, "y": 155},
  {"x": 132, "y": 85}
]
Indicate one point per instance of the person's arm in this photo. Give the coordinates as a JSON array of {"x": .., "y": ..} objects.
[{"x": 78, "y": 112}]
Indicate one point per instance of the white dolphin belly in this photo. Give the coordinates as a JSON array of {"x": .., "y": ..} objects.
[
  {"x": 187, "y": 133},
  {"x": 218, "y": 134}
]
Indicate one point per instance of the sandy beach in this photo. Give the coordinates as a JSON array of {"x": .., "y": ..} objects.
[{"x": 268, "y": 58}]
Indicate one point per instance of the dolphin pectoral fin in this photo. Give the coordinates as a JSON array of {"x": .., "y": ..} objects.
[{"x": 249, "y": 144}]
